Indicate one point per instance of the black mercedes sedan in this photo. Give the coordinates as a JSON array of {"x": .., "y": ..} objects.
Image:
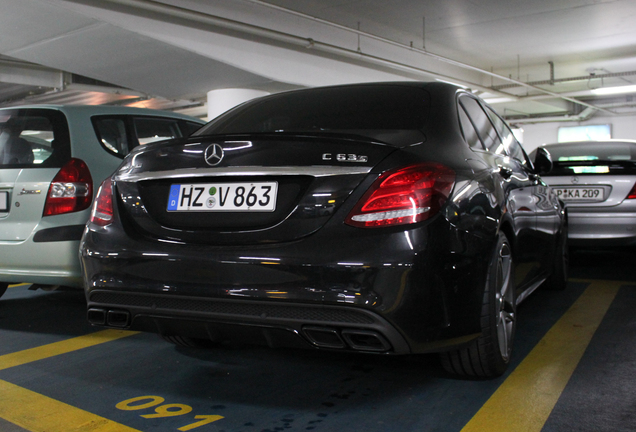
[{"x": 387, "y": 218}]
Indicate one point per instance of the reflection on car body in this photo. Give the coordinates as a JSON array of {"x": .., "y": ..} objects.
[
  {"x": 52, "y": 159},
  {"x": 422, "y": 237},
  {"x": 597, "y": 180}
]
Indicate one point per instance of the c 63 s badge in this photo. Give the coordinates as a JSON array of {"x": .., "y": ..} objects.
[{"x": 344, "y": 157}]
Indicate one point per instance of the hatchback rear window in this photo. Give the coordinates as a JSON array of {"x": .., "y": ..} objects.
[{"x": 32, "y": 138}]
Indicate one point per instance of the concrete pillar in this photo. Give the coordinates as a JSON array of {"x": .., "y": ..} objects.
[{"x": 222, "y": 100}]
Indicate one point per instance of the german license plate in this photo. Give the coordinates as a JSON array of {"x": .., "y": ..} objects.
[
  {"x": 580, "y": 193},
  {"x": 237, "y": 197},
  {"x": 4, "y": 201}
]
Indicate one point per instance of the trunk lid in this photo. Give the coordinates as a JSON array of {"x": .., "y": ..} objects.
[
  {"x": 242, "y": 189},
  {"x": 34, "y": 144},
  {"x": 22, "y": 195},
  {"x": 592, "y": 183}
]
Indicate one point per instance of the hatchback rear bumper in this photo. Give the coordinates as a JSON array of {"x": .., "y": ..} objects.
[{"x": 46, "y": 263}]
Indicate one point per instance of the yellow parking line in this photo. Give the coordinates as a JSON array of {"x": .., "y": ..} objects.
[
  {"x": 37, "y": 413},
  {"x": 526, "y": 398},
  {"x": 62, "y": 347}
]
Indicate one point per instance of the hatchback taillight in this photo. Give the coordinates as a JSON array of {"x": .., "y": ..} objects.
[
  {"x": 102, "y": 213},
  {"x": 71, "y": 189},
  {"x": 404, "y": 196},
  {"x": 632, "y": 193}
]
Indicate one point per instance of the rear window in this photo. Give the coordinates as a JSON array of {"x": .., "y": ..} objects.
[
  {"x": 592, "y": 158},
  {"x": 593, "y": 151},
  {"x": 375, "y": 112},
  {"x": 33, "y": 138}
]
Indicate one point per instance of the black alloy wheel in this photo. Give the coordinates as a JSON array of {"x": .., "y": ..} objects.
[{"x": 489, "y": 355}]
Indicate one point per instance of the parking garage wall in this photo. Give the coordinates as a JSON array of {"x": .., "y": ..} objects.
[{"x": 535, "y": 135}]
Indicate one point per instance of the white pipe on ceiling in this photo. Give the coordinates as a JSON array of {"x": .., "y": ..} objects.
[
  {"x": 429, "y": 54},
  {"x": 208, "y": 19}
]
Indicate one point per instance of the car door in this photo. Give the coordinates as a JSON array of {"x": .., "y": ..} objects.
[
  {"x": 547, "y": 207},
  {"x": 520, "y": 188}
]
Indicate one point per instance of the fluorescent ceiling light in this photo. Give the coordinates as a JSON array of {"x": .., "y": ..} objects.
[{"x": 615, "y": 90}]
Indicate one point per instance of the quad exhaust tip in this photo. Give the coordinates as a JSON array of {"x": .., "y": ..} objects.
[
  {"x": 111, "y": 318},
  {"x": 322, "y": 337},
  {"x": 96, "y": 316},
  {"x": 359, "y": 340}
]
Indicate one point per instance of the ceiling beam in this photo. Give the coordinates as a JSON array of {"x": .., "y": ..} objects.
[{"x": 24, "y": 73}]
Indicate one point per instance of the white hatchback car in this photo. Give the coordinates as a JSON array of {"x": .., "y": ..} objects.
[{"x": 52, "y": 160}]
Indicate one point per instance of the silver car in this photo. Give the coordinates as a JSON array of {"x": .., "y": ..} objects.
[
  {"x": 52, "y": 160},
  {"x": 597, "y": 180}
]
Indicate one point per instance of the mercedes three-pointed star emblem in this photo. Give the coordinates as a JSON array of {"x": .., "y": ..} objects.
[{"x": 214, "y": 154}]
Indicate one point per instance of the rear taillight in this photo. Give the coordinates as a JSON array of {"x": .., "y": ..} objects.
[
  {"x": 404, "y": 196},
  {"x": 632, "y": 193},
  {"x": 71, "y": 189},
  {"x": 102, "y": 213}
]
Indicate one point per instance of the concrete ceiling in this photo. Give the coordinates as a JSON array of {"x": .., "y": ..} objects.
[{"x": 539, "y": 60}]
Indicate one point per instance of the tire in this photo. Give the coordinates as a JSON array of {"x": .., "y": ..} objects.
[
  {"x": 558, "y": 280},
  {"x": 3, "y": 288},
  {"x": 189, "y": 342},
  {"x": 489, "y": 355}
]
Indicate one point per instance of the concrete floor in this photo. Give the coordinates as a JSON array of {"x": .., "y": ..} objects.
[{"x": 57, "y": 373}]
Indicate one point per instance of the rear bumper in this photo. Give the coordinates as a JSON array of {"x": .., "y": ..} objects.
[
  {"x": 331, "y": 327},
  {"x": 394, "y": 294},
  {"x": 601, "y": 228},
  {"x": 46, "y": 263}
]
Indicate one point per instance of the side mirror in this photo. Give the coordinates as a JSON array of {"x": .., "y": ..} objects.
[{"x": 542, "y": 161}]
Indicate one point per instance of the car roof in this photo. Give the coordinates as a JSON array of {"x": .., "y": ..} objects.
[
  {"x": 105, "y": 109},
  {"x": 434, "y": 87}
]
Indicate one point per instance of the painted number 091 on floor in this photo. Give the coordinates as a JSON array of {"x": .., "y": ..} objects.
[{"x": 165, "y": 410}]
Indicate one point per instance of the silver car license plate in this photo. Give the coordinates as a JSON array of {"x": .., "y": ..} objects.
[
  {"x": 4, "y": 201},
  {"x": 237, "y": 197},
  {"x": 580, "y": 193}
]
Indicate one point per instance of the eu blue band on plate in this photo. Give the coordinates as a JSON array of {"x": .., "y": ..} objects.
[{"x": 173, "y": 201}]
